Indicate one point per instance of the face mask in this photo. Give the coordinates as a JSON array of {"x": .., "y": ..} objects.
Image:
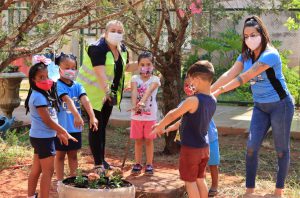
[
  {"x": 44, "y": 84},
  {"x": 253, "y": 42},
  {"x": 146, "y": 70},
  {"x": 189, "y": 89},
  {"x": 114, "y": 38},
  {"x": 68, "y": 74}
]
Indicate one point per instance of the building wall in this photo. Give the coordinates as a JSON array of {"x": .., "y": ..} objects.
[{"x": 274, "y": 23}]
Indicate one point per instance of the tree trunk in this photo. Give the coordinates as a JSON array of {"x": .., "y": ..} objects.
[{"x": 171, "y": 96}]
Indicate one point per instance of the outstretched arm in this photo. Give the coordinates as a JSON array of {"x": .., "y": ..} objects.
[
  {"x": 255, "y": 70},
  {"x": 148, "y": 93},
  {"x": 174, "y": 126},
  {"x": 62, "y": 134},
  {"x": 229, "y": 75},
  {"x": 189, "y": 105}
]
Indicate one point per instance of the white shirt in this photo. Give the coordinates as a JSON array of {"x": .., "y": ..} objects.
[{"x": 149, "y": 112}]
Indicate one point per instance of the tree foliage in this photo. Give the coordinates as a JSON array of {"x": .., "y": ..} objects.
[{"x": 44, "y": 22}]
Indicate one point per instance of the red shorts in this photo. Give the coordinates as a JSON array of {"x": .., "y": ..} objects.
[
  {"x": 192, "y": 163},
  {"x": 142, "y": 129}
]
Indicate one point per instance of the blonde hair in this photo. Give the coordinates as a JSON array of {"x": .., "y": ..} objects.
[{"x": 114, "y": 22}]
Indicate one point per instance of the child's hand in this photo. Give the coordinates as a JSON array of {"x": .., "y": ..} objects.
[
  {"x": 78, "y": 121},
  {"x": 64, "y": 138},
  {"x": 156, "y": 129},
  {"x": 94, "y": 123},
  {"x": 141, "y": 105}
]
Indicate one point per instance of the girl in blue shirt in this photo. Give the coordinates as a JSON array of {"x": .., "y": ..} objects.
[
  {"x": 260, "y": 64},
  {"x": 71, "y": 94},
  {"x": 42, "y": 104}
]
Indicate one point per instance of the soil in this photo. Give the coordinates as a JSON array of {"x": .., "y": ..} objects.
[{"x": 13, "y": 180}]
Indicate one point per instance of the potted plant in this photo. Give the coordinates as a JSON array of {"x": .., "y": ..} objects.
[
  {"x": 10, "y": 80},
  {"x": 106, "y": 184}
]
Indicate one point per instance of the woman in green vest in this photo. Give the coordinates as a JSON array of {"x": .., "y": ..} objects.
[{"x": 102, "y": 75}]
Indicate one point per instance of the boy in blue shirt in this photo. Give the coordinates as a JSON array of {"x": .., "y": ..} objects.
[{"x": 196, "y": 112}]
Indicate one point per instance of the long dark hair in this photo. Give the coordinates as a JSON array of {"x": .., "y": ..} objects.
[
  {"x": 50, "y": 95},
  {"x": 257, "y": 23}
]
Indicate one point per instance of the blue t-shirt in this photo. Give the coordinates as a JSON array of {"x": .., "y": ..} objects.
[
  {"x": 65, "y": 118},
  {"x": 194, "y": 126},
  {"x": 38, "y": 128},
  {"x": 212, "y": 131},
  {"x": 270, "y": 85}
]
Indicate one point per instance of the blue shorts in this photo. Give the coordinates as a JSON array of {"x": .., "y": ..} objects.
[
  {"x": 214, "y": 153},
  {"x": 43, "y": 147},
  {"x": 71, "y": 146}
]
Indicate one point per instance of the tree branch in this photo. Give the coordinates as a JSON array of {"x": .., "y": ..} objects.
[
  {"x": 45, "y": 42},
  {"x": 158, "y": 33},
  {"x": 66, "y": 14},
  {"x": 142, "y": 24},
  {"x": 78, "y": 27},
  {"x": 176, "y": 10},
  {"x": 24, "y": 27},
  {"x": 166, "y": 13}
]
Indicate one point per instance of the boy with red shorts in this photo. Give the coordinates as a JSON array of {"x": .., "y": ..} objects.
[{"x": 196, "y": 112}]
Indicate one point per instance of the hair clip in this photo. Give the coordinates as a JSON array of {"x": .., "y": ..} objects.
[{"x": 40, "y": 59}]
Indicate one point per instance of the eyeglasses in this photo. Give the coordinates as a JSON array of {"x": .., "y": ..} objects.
[{"x": 251, "y": 36}]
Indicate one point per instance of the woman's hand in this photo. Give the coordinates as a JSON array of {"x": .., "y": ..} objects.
[{"x": 94, "y": 123}]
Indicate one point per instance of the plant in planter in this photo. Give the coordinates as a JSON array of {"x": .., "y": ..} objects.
[
  {"x": 10, "y": 80},
  {"x": 105, "y": 184}
]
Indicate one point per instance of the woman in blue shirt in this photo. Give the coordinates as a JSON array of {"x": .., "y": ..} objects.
[{"x": 260, "y": 64}]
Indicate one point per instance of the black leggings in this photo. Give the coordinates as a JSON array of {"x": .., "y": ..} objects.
[{"x": 97, "y": 138}]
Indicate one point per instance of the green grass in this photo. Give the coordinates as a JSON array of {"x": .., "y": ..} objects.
[{"x": 14, "y": 148}]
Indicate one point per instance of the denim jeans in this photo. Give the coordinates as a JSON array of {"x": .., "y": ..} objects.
[{"x": 279, "y": 116}]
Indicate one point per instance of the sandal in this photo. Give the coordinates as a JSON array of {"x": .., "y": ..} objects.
[
  {"x": 212, "y": 192},
  {"x": 149, "y": 170},
  {"x": 136, "y": 169}
]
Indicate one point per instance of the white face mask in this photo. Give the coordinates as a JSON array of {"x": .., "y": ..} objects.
[
  {"x": 253, "y": 42},
  {"x": 114, "y": 38}
]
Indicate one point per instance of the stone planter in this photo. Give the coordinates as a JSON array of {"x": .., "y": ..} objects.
[
  {"x": 9, "y": 92},
  {"x": 67, "y": 191}
]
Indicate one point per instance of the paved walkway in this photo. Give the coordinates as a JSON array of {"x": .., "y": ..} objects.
[{"x": 229, "y": 119}]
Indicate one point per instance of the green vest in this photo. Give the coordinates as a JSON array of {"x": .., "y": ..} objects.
[{"x": 88, "y": 79}]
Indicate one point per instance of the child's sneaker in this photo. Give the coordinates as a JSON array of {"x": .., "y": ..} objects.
[
  {"x": 136, "y": 169},
  {"x": 149, "y": 170}
]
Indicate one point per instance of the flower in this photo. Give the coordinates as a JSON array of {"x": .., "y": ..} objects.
[
  {"x": 181, "y": 12},
  {"x": 196, "y": 7},
  {"x": 93, "y": 176}
]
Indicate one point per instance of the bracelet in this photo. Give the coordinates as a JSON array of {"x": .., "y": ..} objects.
[
  {"x": 240, "y": 80},
  {"x": 142, "y": 104}
]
